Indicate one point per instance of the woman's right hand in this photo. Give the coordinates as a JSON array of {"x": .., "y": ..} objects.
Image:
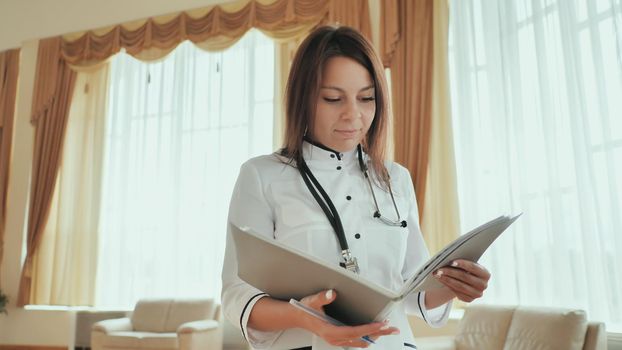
[{"x": 340, "y": 335}]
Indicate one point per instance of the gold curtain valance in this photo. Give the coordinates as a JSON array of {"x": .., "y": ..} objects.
[{"x": 277, "y": 20}]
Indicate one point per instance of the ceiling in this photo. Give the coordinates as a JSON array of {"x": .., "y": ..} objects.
[{"x": 24, "y": 20}]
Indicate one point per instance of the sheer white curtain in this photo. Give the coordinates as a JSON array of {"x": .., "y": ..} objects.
[
  {"x": 177, "y": 132},
  {"x": 537, "y": 108},
  {"x": 65, "y": 263}
]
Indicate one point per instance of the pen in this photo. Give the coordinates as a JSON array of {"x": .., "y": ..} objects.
[{"x": 326, "y": 318}]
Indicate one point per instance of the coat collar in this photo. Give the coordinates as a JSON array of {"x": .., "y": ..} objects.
[{"x": 317, "y": 153}]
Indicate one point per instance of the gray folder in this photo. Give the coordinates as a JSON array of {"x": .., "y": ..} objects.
[{"x": 284, "y": 272}]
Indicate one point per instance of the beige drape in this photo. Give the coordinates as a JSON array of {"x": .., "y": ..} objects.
[
  {"x": 9, "y": 67},
  {"x": 52, "y": 96},
  {"x": 64, "y": 265},
  {"x": 214, "y": 28},
  {"x": 441, "y": 216},
  {"x": 389, "y": 30},
  {"x": 414, "y": 46},
  {"x": 411, "y": 71}
]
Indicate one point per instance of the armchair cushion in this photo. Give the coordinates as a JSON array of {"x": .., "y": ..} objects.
[
  {"x": 135, "y": 340},
  {"x": 437, "y": 343},
  {"x": 150, "y": 315},
  {"x": 159, "y": 341},
  {"x": 484, "y": 327},
  {"x": 546, "y": 328}
]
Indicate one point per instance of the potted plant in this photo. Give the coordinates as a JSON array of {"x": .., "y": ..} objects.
[{"x": 3, "y": 301}]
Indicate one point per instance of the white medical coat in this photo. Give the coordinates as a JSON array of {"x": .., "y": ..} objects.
[{"x": 271, "y": 198}]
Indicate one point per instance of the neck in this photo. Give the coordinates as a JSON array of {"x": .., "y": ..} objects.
[
  {"x": 317, "y": 144},
  {"x": 322, "y": 146}
]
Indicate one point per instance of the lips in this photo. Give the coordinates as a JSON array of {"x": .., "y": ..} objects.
[{"x": 347, "y": 132}]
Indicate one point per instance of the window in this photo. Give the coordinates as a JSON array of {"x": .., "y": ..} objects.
[
  {"x": 536, "y": 89},
  {"x": 177, "y": 132}
]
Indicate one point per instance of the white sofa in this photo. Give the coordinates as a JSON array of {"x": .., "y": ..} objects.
[
  {"x": 163, "y": 324},
  {"x": 486, "y": 327}
]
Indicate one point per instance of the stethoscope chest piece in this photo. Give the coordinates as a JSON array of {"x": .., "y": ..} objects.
[{"x": 350, "y": 263}]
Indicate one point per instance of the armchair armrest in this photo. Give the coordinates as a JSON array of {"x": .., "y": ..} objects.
[
  {"x": 595, "y": 336},
  {"x": 113, "y": 325},
  {"x": 198, "y": 326},
  {"x": 200, "y": 335}
]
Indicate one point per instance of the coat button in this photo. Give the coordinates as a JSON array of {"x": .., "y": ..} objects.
[
  {"x": 357, "y": 236},
  {"x": 348, "y": 197},
  {"x": 332, "y": 156},
  {"x": 339, "y": 167}
]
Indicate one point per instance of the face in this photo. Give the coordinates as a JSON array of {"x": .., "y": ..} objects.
[{"x": 346, "y": 105}]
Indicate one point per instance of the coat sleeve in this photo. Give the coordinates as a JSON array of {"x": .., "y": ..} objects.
[
  {"x": 249, "y": 208},
  {"x": 416, "y": 255}
]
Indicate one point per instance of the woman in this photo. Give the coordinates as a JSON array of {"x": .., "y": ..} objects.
[{"x": 331, "y": 193}]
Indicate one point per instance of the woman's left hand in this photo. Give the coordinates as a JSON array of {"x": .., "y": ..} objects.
[{"x": 466, "y": 279}]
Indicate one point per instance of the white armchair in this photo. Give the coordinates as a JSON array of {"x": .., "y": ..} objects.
[
  {"x": 487, "y": 327},
  {"x": 164, "y": 324}
]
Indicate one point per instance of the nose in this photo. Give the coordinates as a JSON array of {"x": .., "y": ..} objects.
[{"x": 351, "y": 110}]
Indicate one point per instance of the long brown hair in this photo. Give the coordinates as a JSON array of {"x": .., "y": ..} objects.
[{"x": 303, "y": 86}]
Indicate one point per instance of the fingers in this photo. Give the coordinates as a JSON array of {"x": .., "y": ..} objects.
[
  {"x": 466, "y": 279},
  {"x": 376, "y": 329},
  {"x": 351, "y": 336},
  {"x": 345, "y": 335},
  {"x": 462, "y": 291},
  {"x": 318, "y": 300},
  {"x": 472, "y": 268},
  {"x": 383, "y": 332}
]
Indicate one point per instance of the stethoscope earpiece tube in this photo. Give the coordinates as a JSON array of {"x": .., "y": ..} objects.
[{"x": 327, "y": 206}]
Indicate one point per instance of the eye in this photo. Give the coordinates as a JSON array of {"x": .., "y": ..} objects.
[
  {"x": 368, "y": 98},
  {"x": 331, "y": 100}
]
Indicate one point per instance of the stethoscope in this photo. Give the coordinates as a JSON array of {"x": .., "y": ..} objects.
[{"x": 324, "y": 201}]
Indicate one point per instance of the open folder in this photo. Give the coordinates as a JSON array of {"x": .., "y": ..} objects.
[{"x": 285, "y": 273}]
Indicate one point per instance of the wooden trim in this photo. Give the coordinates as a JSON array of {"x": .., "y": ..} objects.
[{"x": 32, "y": 347}]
